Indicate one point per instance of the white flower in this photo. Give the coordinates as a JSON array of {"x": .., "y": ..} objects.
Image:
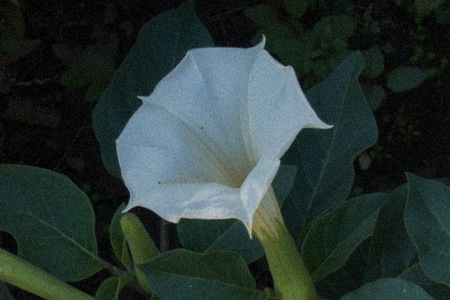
[{"x": 207, "y": 143}]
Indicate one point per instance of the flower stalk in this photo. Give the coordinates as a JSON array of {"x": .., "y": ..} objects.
[
  {"x": 291, "y": 278},
  {"x": 28, "y": 277}
]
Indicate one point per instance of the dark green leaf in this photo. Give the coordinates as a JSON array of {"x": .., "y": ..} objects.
[
  {"x": 181, "y": 274},
  {"x": 336, "y": 234},
  {"x": 110, "y": 288},
  {"x": 375, "y": 94},
  {"x": 415, "y": 274},
  {"x": 213, "y": 235},
  {"x": 297, "y": 8},
  {"x": 17, "y": 48},
  {"x": 392, "y": 250},
  {"x": 284, "y": 181},
  {"x": 51, "y": 219},
  {"x": 405, "y": 78},
  {"x": 161, "y": 44},
  {"x": 281, "y": 39},
  {"x": 4, "y": 292},
  {"x": 390, "y": 288},
  {"x": 117, "y": 239},
  {"x": 95, "y": 91},
  {"x": 262, "y": 15},
  {"x": 425, "y": 7},
  {"x": 428, "y": 224},
  {"x": 334, "y": 27},
  {"x": 374, "y": 62},
  {"x": 325, "y": 157},
  {"x": 209, "y": 236}
]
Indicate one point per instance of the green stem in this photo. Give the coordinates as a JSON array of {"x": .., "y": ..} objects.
[
  {"x": 289, "y": 273},
  {"x": 26, "y": 276}
]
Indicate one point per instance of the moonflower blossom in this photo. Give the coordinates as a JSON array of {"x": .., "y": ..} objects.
[{"x": 207, "y": 142}]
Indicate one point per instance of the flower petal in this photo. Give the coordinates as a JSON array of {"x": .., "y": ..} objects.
[
  {"x": 170, "y": 171},
  {"x": 194, "y": 201},
  {"x": 206, "y": 91},
  {"x": 277, "y": 107},
  {"x": 163, "y": 151},
  {"x": 255, "y": 186},
  {"x": 207, "y": 142}
]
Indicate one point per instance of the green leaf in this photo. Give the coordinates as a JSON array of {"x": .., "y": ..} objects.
[
  {"x": 375, "y": 94},
  {"x": 231, "y": 235},
  {"x": 334, "y": 27},
  {"x": 298, "y": 8},
  {"x": 336, "y": 234},
  {"x": 282, "y": 39},
  {"x": 404, "y": 79},
  {"x": 262, "y": 15},
  {"x": 212, "y": 235},
  {"x": 51, "y": 219},
  {"x": 390, "y": 288},
  {"x": 391, "y": 250},
  {"x": 117, "y": 239},
  {"x": 325, "y": 157},
  {"x": 415, "y": 274},
  {"x": 141, "y": 245},
  {"x": 424, "y": 7},
  {"x": 374, "y": 62},
  {"x": 95, "y": 91},
  {"x": 15, "y": 48},
  {"x": 160, "y": 45},
  {"x": 181, "y": 274},
  {"x": 283, "y": 182},
  {"x": 428, "y": 224},
  {"x": 110, "y": 288}
]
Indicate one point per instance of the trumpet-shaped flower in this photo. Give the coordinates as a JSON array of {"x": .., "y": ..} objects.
[{"x": 207, "y": 143}]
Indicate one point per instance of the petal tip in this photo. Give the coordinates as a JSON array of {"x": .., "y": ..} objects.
[
  {"x": 143, "y": 98},
  {"x": 262, "y": 44},
  {"x": 319, "y": 126}
]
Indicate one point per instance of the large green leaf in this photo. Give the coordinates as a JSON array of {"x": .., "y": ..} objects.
[
  {"x": 390, "y": 288},
  {"x": 427, "y": 220},
  {"x": 336, "y": 234},
  {"x": 51, "y": 219},
  {"x": 391, "y": 249},
  {"x": 181, "y": 274},
  {"x": 231, "y": 235},
  {"x": 325, "y": 157},
  {"x": 160, "y": 45}
]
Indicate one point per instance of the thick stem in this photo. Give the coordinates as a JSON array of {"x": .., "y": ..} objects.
[
  {"x": 291, "y": 278},
  {"x": 28, "y": 277}
]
